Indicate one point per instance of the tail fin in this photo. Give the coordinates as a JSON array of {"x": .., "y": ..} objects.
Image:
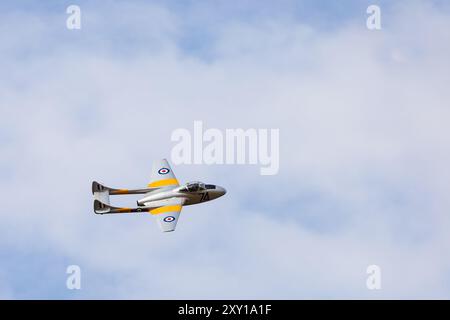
[
  {"x": 98, "y": 187},
  {"x": 100, "y": 207}
]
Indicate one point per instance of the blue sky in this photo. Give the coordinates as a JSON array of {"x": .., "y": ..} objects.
[{"x": 363, "y": 147}]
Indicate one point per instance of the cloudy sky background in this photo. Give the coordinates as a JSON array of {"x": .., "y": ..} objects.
[{"x": 364, "y": 148}]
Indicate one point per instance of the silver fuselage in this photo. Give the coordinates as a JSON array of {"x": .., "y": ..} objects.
[{"x": 191, "y": 197}]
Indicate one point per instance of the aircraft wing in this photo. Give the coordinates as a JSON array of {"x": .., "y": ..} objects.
[
  {"x": 167, "y": 215},
  {"x": 162, "y": 175}
]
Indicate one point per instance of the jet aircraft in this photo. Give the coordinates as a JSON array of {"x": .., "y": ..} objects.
[{"x": 163, "y": 197}]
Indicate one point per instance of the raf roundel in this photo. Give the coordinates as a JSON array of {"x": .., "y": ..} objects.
[
  {"x": 163, "y": 171},
  {"x": 169, "y": 219}
]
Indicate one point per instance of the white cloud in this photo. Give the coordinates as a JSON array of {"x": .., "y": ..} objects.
[{"x": 363, "y": 178}]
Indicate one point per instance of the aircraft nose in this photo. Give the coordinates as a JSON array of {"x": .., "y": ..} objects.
[{"x": 221, "y": 191}]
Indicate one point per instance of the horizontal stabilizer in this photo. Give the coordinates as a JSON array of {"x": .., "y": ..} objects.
[{"x": 102, "y": 196}]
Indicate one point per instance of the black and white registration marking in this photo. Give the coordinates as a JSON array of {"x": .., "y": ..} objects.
[
  {"x": 169, "y": 219},
  {"x": 163, "y": 171}
]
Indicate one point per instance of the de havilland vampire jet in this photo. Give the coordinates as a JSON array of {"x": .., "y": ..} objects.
[{"x": 163, "y": 197}]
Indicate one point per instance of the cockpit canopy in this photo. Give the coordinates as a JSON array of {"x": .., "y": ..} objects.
[{"x": 196, "y": 186}]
